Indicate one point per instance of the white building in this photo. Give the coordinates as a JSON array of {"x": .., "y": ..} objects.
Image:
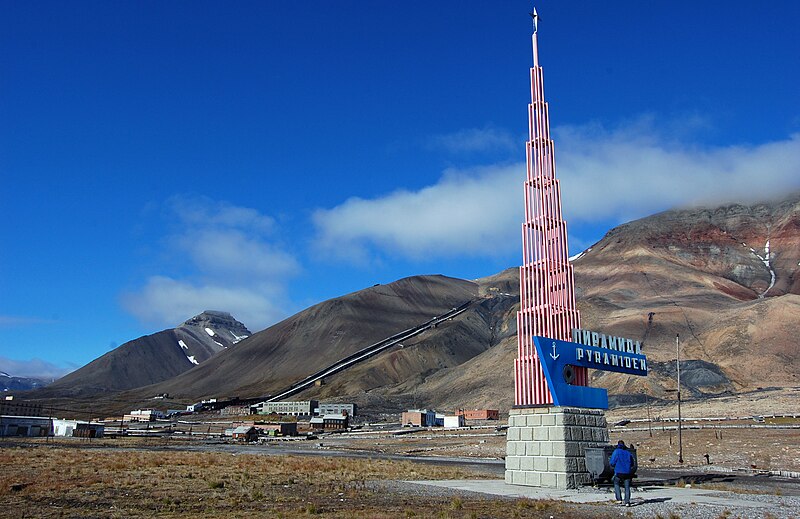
[
  {"x": 143, "y": 415},
  {"x": 77, "y": 428},
  {"x": 452, "y": 422},
  {"x": 63, "y": 427}
]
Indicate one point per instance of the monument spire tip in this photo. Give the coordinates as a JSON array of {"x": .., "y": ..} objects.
[{"x": 535, "y": 17}]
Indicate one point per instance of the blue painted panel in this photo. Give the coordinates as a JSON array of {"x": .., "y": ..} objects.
[{"x": 557, "y": 355}]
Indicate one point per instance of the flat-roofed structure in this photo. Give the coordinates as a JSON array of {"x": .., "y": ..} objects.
[
  {"x": 29, "y": 426},
  {"x": 330, "y": 423},
  {"x": 419, "y": 417},
  {"x": 480, "y": 414},
  {"x": 452, "y": 422},
  {"x": 143, "y": 415},
  {"x": 282, "y": 428},
  {"x": 299, "y": 408},
  {"x": 341, "y": 409}
]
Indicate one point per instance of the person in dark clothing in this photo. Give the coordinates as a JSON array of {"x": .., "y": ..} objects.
[{"x": 624, "y": 465}]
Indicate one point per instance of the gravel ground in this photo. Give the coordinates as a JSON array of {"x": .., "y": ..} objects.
[{"x": 644, "y": 504}]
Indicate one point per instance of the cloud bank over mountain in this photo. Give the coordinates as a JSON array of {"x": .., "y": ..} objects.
[
  {"x": 608, "y": 176},
  {"x": 34, "y": 368},
  {"x": 231, "y": 260}
]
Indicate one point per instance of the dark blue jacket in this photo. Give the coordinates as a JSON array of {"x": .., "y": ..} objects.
[{"x": 622, "y": 461}]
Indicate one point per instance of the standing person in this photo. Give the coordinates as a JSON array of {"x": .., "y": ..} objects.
[{"x": 624, "y": 468}]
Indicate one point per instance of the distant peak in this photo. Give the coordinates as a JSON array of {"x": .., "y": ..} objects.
[
  {"x": 217, "y": 313},
  {"x": 210, "y": 315},
  {"x": 216, "y": 318}
]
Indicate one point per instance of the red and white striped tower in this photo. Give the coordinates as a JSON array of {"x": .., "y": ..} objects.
[{"x": 546, "y": 278}]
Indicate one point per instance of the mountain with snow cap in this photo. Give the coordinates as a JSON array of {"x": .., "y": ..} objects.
[
  {"x": 208, "y": 333},
  {"x": 153, "y": 358}
]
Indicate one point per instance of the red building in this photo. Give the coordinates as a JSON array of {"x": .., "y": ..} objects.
[{"x": 480, "y": 414}]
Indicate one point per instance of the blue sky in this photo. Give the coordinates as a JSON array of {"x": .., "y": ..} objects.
[{"x": 162, "y": 158}]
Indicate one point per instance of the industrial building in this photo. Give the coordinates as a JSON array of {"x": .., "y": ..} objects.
[
  {"x": 235, "y": 410},
  {"x": 330, "y": 408},
  {"x": 330, "y": 423},
  {"x": 451, "y": 422},
  {"x": 204, "y": 405},
  {"x": 280, "y": 429},
  {"x": 89, "y": 430},
  {"x": 77, "y": 428},
  {"x": 29, "y": 426},
  {"x": 480, "y": 414},
  {"x": 143, "y": 415},
  {"x": 419, "y": 418},
  {"x": 301, "y": 408}
]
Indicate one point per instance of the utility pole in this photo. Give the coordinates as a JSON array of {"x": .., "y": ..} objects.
[
  {"x": 680, "y": 422},
  {"x": 649, "y": 421}
]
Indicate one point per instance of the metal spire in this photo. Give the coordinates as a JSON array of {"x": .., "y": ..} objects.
[
  {"x": 534, "y": 38},
  {"x": 547, "y": 278}
]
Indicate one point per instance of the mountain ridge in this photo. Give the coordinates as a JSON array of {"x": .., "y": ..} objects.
[
  {"x": 725, "y": 279},
  {"x": 153, "y": 358}
]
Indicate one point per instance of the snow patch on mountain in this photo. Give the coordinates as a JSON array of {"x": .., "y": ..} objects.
[
  {"x": 580, "y": 254},
  {"x": 237, "y": 338},
  {"x": 765, "y": 259}
]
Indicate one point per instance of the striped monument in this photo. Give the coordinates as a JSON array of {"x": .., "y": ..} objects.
[
  {"x": 547, "y": 281},
  {"x": 546, "y": 443}
]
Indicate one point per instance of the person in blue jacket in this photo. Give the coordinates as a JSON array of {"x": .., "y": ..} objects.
[{"x": 624, "y": 466}]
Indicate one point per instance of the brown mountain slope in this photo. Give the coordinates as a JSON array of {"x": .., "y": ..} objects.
[
  {"x": 398, "y": 375},
  {"x": 699, "y": 273},
  {"x": 681, "y": 272},
  {"x": 151, "y": 358},
  {"x": 690, "y": 270},
  {"x": 315, "y": 338}
]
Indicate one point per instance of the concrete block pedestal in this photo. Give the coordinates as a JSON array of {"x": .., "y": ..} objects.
[{"x": 545, "y": 445}]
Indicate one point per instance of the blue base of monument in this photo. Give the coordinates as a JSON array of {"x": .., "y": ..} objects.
[{"x": 557, "y": 356}]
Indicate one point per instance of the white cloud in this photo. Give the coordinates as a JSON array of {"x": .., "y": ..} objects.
[
  {"x": 634, "y": 172},
  {"x": 474, "y": 140},
  {"x": 168, "y": 301},
  {"x": 205, "y": 212},
  {"x": 607, "y": 176},
  {"x": 34, "y": 368},
  {"x": 234, "y": 264},
  {"x": 231, "y": 253},
  {"x": 473, "y": 212}
]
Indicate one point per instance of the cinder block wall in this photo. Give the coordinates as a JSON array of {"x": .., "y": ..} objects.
[{"x": 545, "y": 445}]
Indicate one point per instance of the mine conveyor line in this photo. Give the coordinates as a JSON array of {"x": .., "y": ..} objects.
[{"x": 364, "y": 354}]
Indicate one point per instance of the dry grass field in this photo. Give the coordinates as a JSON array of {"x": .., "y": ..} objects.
[
  {"x": 62, "y": 480},
  {"x": 179, "y": 477}
]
